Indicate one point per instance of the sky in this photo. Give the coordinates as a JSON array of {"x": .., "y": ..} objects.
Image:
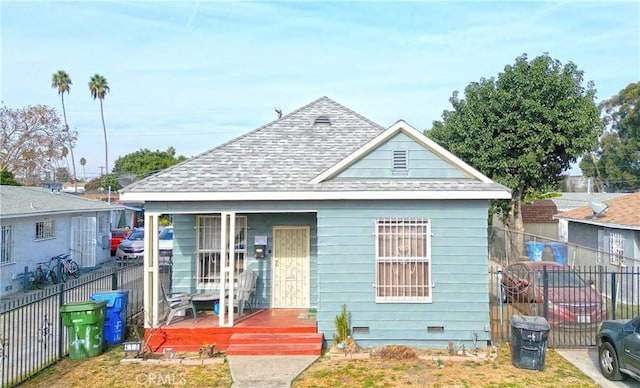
[{"x": 195, "y": 74}]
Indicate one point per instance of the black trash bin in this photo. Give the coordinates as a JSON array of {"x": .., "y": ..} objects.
[{"x": 529, "y": 341}]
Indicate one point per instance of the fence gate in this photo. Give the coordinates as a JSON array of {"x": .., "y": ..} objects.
[{"x": 570, "y": 315}]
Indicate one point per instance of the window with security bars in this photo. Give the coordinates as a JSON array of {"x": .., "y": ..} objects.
[
  {"x": 403, "y": 260},
  {"x": 6, "y": 245},
  {"x": 616, "y": 249},
  {"x": 45, "y": 229},
  {"x": 103, "y": 224},
  {"x": 208, "y": 252}
]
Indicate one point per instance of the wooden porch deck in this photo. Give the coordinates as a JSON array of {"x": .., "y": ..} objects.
[{"x": 266, "y": 331}]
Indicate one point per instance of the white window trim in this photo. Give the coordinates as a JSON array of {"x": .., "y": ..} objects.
[
  {"x": 241, "y": 223},
  {"x": 7, "y": 251},
  {"x": 403, "y": 260},
  {"x": 51, "y": 229}
]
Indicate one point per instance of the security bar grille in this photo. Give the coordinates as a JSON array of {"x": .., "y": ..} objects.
[
  {"x": 616, "y": 247},
  {"x": 403, "y": 259},
  {"x": 208, "y": 252},
  {"x": 6, "y": 244}
]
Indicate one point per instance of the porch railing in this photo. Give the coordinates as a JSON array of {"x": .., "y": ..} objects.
[{"x": 32, "y": 335}]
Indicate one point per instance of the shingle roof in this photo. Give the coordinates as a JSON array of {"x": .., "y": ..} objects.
[
  {"x": 285, "y": 155},
  {"x": 20, "y": 201},
  {"x": 569, "y": 201},
  {"x": 623, "y": 212}
]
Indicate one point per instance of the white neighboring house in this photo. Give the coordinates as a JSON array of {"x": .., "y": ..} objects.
[{"x": 37, "y": 224}]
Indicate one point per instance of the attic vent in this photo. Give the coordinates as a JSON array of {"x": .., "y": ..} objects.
[
  {"x": 322, "y": 120},
  {"x": 400, "y": 160}
]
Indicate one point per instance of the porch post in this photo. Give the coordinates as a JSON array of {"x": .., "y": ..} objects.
[
  {"x": 227, "y": 267},
  {"x": 151, "y": 274}
]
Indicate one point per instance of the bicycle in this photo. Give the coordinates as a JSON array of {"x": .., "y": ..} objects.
[
  {"x": 44, "y": 271},
  {"x": 68, "y": 267}
]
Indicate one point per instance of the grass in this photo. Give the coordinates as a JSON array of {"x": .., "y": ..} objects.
[{"x": 435, "y": 370}]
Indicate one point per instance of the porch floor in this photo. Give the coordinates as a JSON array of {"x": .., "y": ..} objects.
[{"x": 264, "y": 328}]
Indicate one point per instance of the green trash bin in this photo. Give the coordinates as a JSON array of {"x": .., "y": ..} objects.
[{"x": 85, "y": 322}]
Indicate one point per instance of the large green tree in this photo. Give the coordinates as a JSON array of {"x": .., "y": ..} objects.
[
  {"x": 146, "y": 162},
  {"x": 61, "y": 81},
  {"x": 32, "y": 141},
  {"x": 99, "y": 87},
  {"x": 523, "y": 129},
  {"x": 139, "y": 164},
  {"x": 616, "y": 159}
]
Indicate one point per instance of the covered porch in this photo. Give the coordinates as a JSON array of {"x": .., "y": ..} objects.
[{"x": 211, "y": 253}]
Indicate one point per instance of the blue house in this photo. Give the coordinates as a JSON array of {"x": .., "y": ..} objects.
[{"x": 332, "y": 209}]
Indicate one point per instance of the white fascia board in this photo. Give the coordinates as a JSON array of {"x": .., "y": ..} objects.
[
  {"x": 314, "y": 195},
  {"x": 599, "y": 223},
  {"x": 55, "y": 213},
  {"x": 404, "y": 127}
]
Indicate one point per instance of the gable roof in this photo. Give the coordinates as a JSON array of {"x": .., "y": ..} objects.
[
  {"x": 22, "y": 201},
  {"x": 623, "y": 212},
  {"x": 400, "y": 127},
  {"x": 295, "y": 158}
]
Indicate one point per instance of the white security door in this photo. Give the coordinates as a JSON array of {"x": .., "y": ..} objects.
[
  {"x": 290, "y": 267},
  {"x": 83, "y": 241}
]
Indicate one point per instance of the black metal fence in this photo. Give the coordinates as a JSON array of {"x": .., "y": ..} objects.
[
  {"x": 32, "y": 335},
  {"x": 572, "y": 299}
]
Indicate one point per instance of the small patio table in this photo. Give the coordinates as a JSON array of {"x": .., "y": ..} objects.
[{"x": 208, "y": 300}]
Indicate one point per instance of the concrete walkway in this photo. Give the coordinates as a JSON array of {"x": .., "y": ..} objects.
[
  {"x": 587, "y": 361},
  {"x": 267, "y": 371}
]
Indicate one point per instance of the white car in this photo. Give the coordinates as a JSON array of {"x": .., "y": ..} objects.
[{"x": 166, "y": 245}]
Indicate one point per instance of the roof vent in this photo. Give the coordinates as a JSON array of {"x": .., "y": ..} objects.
[
  {"x": 322, "y": 120},
  {"x": 400, "y": 162}
]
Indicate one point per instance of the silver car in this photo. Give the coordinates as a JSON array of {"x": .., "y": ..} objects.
[{"x": 132, "y": 248}]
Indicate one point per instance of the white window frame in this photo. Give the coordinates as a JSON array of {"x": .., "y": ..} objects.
[
  {"x": 403, "y": 260},
  {"x": 7, "y": 254},
  {"x": 616, "y": 249},
  {"x": 45, "y": 230},
  {"x": 208, "y": 235}
]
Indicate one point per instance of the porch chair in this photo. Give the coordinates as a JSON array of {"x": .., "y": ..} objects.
[
  {"x": 178, "y": 301},
  {"x": 244, "y": 289}
]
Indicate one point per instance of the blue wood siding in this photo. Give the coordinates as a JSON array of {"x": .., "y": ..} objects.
[
  {"x": 343, "y": 264},
  {"x": 346, "y": 268},
  {"x": 422, "y": 163}
]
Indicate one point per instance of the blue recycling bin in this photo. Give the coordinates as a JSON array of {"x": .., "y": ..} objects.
[
  {"x": 560, "y": 251},
  {"x": 116, "y": 318},
  {"x": 535, "y": 250}
]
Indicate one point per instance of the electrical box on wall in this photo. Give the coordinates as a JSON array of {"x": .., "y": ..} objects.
[{"x": 260, "y": 246}]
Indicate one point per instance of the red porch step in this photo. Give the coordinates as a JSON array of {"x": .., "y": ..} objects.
[{"x": 299, "y": 344}]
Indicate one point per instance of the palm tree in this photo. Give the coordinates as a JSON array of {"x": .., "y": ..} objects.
[
  {"x": 83, "y": 162},
  {"x": 99, "y": 87},
  {"x": 61, "y": 81}
]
